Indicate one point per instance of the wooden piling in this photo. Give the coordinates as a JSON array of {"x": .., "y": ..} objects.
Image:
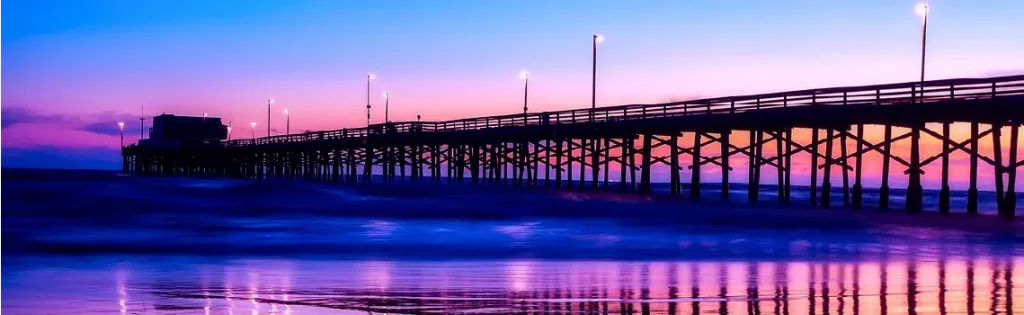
[
  {"x": 944, "y": 190},
  {"x": 883, "y": 190},
  {"x": 695, "y": 167},
  {"x": 751, "y": 164},
  {"x": 595, "y": 162},
  {"x": 997, "y": 156},
  {"x": 780, "y": 168},
  {"x": 789, "y": 164},
  {"x": 972, "y": 189},
  {"x": 845, "y": 168},
  {"x": 826, "y": 180},
  {"x": 724, "y": 140},
  {"x": 607, "y": 160},
  {"x": 858, "y": 188},
  {"x": 674, "y": 167},
  {"x": 1010, "y": 196},
  {"x": 568, "y": 163},
  {"x": 623, "y": 163},
  {"x": 645, "y": 171},
  {"x": 915, "y": 193},
  {"x": 813, "y": 150},
  {"x": 558, "y": 162}
]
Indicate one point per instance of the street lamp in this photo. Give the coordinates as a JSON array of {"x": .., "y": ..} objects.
[
  {"x": 142, "y": 123},
  {"x": 387, "y": 103},
  {"x": 525, "y": 76},
  {"x": 269, "y": 101},
  {"x": 598, "y": 38},
  {"x": 288, "y": 122},
  {"x": 369, "y": 76},
  {"x": 120, "y": 125},
  {"x": 922, "y": 10},
  {"x": 229, "y": 133},
  {"x": 253, "y": 125}
]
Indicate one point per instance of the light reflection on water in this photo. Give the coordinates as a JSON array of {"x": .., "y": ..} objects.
[{"x": 979, "y": 285}]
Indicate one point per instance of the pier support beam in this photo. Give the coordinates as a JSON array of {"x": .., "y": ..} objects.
[
  {"x": 915, "y": 193},
  {"x": 623, "y": 163},
  {"x": 944, "y": 190},
  {"x": 595, "y": 162},
  {"x": 645, "y": 172},
  {"x": 558, "y": 163},
  {"x": 789, "y": 165},
  {"x": 781, "y": 169},
  {"x": 1010, "y": 196},
  {"x": 724, "y": 141},
  {"x": 813, "y": 149},
  {"x": 826, "y": 180},
  {"x": 695, "y": 167},
  {"x": 674, "y": 167},
  {"x": 972, "y": 189},
  {"x": 845, "y": 167},
  {"x": 997, "y": 156},
  {"x": 883, "y": 191}
]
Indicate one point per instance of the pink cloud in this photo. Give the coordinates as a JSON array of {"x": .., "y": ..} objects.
[{"x": 27, "y": 135}]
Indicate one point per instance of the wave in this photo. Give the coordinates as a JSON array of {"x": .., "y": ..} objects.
[{"x": 86, "y": 214}]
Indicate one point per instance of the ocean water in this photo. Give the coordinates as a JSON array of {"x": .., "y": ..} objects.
[{"x": 87, "y": 242}]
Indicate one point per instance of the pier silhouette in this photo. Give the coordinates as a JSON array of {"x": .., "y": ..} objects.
[{"x": 543, "y": 148}]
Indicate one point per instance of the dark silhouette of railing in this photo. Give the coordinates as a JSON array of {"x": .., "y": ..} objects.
[{"x": 882, "y": 94}]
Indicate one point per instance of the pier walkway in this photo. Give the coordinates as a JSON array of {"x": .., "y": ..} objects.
[{"x": 616, "y": 147}]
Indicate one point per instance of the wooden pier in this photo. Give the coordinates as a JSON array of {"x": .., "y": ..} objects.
[{"x": 614, "y": 148}]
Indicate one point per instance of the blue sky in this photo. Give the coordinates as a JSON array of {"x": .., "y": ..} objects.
[{"x": 74, "y": 64}]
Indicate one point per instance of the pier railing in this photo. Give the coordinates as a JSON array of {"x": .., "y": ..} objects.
[{"x": 883, "y": 94}]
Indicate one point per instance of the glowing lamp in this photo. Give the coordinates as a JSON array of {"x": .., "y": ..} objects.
[{"x": 921, "y": 9}]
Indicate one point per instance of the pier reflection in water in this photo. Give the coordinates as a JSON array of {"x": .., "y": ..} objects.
[{"x": 980, "y": 285}]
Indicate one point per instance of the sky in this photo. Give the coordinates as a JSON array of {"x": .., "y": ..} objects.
[{"x": 75, "y": 68}]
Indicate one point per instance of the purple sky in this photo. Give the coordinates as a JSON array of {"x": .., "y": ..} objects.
[{"x": 75, "y": 68}]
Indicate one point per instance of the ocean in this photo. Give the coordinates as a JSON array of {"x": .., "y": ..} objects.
[{"x": 96, "y": 242}]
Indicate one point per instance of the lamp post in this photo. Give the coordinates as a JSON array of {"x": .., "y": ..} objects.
[
  {"x": 253, "y": 125},
  {"x": 387, "y": 103},
  {"x": 369, "y": 76},
  {"x": 142, "y": 124},
  {"x": 229, "y": 133},
  {"x": 914, "y": 190},
  {"x": 269, "y": 101},
  {"x": 288, "y": 122},
  {"x": 922, "y": 10},
  {"x": 598, "y": 38},
  {"x": 120, "y": 125},
  {"x": 525, "y": 75}
]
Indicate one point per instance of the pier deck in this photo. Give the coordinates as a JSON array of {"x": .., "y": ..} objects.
[{"x": 615, "y": 147}]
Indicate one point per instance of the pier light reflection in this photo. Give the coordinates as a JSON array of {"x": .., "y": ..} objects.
[
  {"x": 519, "y": 274},
  {"x": 377, "y": 274},
  {"x": 229, "y": 293},
  {"x": 254, "y": 291},
  {"x": 886, "y": 286},
  {"x": 122, "y": 290}
]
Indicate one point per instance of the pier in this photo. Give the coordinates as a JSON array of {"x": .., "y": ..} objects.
[{"x": 614, "y": 148}]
